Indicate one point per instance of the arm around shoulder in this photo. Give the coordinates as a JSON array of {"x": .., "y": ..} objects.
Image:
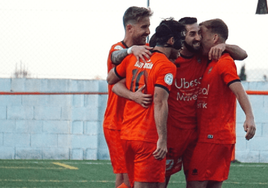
[{"x": 236, "y": 52}]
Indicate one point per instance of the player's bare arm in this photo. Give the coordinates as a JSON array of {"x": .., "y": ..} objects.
[
  {"x": 249, "y": 124},
  {"x": 112, "y": 78},
  {"x": 118, "y": 56},
  {"x": 235, "y": 51},
  {"x": 140, "y": 52},
  {"x": 139, "y": 97},
  {"x": 160, "y": 116}
]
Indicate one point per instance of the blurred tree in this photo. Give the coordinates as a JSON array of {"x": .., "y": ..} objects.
[
  {"x": 242, "y": 74},
  {"x": 262, "y": 7},
  {"x": 21, "y": 72}
]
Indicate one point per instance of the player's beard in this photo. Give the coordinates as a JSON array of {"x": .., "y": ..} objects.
[
  {"x": 191, "y": 48},
  {"x": 140, "y": 40},
  {"x": 174, "y": 54}
]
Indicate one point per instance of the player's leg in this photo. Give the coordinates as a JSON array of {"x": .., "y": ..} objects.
[
  {"x": 167, "y": 180},
  {"x": 126, "y": 180},
  {"x": 214, "y": 184},
  {"x": 118, "y": 180},
  {"x": 122, "y": 181},
  {"x": 197, "y": 184},
  {"x": 147, "y": 185}
]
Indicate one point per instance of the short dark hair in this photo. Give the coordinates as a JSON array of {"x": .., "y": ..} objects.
[
  {"x": 188, "y": 20},
  {"x": 152, "y": 41},
  {"x": 217, "y": 26},
  {"x": 134, "y": 14},
  {"x": 169, "y": 28}
]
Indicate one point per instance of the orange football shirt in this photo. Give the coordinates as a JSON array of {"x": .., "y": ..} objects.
[
  {"x": 113, "y": 116},
  {"x": 216, "y": 103},
  {"x": 158, "y": 71},
  {"x": 184, "y": 91}
]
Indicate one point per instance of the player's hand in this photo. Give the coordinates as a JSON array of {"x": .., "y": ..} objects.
[
  {"x": 141, "y": 52},
  {"x": 143, "y": 99},
  {"x": 250, "y": 128},
  {"x": 161, "y": 149},
  {"x": 216, "y": 51}
]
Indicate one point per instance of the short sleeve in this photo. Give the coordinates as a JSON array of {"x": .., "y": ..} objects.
[
  {"x": 115, "y": 47},
  {"x": 228, "y": 71},
  {"x": 121, "y": 69},
  {"x": 166, "y": 75}
]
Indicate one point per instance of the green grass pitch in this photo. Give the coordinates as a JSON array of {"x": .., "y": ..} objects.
[{"x": 99, "y": 174}]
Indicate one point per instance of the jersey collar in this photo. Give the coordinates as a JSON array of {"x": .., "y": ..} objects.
[{"x": 124, "y": 44}]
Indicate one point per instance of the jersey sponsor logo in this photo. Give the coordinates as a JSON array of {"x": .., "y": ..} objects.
[
  {"x": 202, "y": 105},
  {"x": 185, "y": 85},
  {"x": 187, "y": 96},
  {"x": 118, "y": 47},
  {"x": 168, "y": 78},
  {"x": 203, "y": 95},
  {"x": 188, "y": 90},
  {"x": 204, "y": 91}
]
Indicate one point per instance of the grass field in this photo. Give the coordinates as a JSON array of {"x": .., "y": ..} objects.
[{"x": 98, "y": 174}]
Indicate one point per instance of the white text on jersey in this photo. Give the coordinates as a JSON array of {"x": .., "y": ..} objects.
[{"x": 144, "y": 65}]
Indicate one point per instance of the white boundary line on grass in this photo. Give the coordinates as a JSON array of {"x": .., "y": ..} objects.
[
  {"x": 242, "y": 165},
  {"x": 105, "y": 163},
  {"x": 111, "y": 181},
  {"x": 27, "y": 167},
  {"x": 66, "y": 162}
]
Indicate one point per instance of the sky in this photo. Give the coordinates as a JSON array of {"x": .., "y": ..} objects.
[{"x": 72, "y": 38}]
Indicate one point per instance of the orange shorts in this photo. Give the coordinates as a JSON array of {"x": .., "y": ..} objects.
[
  {"x": 181, "y": 144},
  {"x": 141, "y": 164},
  {"x": 116, "y": 151},
  {"x": 210, "y": 162}
]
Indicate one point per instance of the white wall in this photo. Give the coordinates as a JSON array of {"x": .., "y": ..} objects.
[
  {"x": 52, "y": 126},
  {"x": 70, "y": 126},
  {"x": 255, "y": 150}
]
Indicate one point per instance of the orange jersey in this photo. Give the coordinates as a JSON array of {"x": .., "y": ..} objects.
[
  {"x": 113, "y": 116},
  {"x": 158, "y": 71},
  {"x": 216, "y": 104},
  {"x": 184, "y": 91}
]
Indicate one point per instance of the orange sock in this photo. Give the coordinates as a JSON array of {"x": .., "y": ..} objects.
[{"x": 123, "y": 185}]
